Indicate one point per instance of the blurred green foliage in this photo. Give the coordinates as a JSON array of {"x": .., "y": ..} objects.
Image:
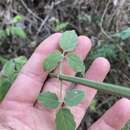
[
  {"x": 108, "y": 50},
  {"x": 8, "y": 74},
  {"x": 58, "y": 25},
  {"x": 13, "y": 29},
  {"x": 124, "y": 34},
  {"x": 127, "y": 127}
]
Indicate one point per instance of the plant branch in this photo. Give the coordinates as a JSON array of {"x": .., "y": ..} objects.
[
  {"x": 61, "y": 72},
  {"x": 105, "y": 87},
  {"x": 61, "y": 85}
]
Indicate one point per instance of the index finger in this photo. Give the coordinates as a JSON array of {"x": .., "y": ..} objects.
[{"x": 32, "y": 76}]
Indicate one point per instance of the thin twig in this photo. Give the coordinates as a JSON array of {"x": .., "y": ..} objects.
[
  {"x": 118, "y": 12},
  {"x": 30, "y": 11},
  {"x": 101, "y": 23},
  {"x": 105, "y": 102},
  {"x": 59, "y": 2},
  {"x": 45, "y": 19},
  {"x": 16, "y": 12}
]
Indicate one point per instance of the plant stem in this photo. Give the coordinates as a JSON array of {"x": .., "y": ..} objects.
[
  {"x": 61, "y": 72},
  {"x": 105, "y": 87},
  {"x": 61, "y": 88}
]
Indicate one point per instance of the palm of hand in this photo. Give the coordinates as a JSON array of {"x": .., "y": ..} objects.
[
  {"x": 15, "y": 116},
  {"x": 18, "y": 112}
]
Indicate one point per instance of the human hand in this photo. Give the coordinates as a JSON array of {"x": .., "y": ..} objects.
[{"x": 20, "y": 111}]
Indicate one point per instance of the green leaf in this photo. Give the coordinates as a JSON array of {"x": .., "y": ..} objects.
[
  {"x": 65, "y": 120},
  {"x": 123, "y": 34},
  {"x": 51, "y": 62},
  {"x": 19, "y": 62},
  {"x": 17, "y": 18},
  {"x": 49, "y": 100},
  {"x": 75, "y": 63},
  {"x": 68, "y": 41},
  {"x": 8, "y": 69},
  {"x": 18, "y": 31},
  {"x": 12, "y": 67},
  {"x": 73, "y": 97},
  {"x": 8, "y": 31},
  {"x": 4, "y": 87},
  {"x": 93, "y": 105}
]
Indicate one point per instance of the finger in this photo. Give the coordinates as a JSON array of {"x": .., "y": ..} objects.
[
  {"x": 32, "y": 76},
  {"x": 97, "y": 71},
  {"x": 115, "y": 118},
  {"x": 82, "y": 49}
]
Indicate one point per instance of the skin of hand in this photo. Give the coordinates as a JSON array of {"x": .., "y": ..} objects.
[{"x": 20, "y": 111}]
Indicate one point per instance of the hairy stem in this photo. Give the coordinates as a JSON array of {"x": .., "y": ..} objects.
[{"x": 105, "y": 87}]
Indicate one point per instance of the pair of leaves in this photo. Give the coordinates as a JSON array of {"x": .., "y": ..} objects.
[
  {"x": 64, "y": 118},
  {"x": 72, "y": 98},
  {"x": 74, "y": 61}
]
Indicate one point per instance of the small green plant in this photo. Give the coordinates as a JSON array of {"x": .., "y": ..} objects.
[
  {"x": 64, "y": 118},
  {"x": 106, "y": 50},
  {"x": 13, "y": 29},
  {"x": 58, "y": 25},
  {"x": 85, "y": 18}
]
